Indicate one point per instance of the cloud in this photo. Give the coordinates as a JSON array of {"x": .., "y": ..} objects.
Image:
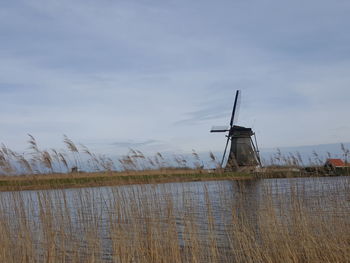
[
  {"x": 207, "y": 114},
  {"x": 132, "y": 144},
  {"x": 110, "y": 71}
]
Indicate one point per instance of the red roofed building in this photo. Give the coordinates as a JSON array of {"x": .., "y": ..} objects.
[{"x": 335, "y": 163}]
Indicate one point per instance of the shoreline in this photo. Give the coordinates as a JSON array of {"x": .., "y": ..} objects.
[
  {"x": 81, "y": 180},
  {"x": 99, "y": 179}
]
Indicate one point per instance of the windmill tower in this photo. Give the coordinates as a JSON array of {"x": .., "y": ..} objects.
[{"x": 244, "y": 152}]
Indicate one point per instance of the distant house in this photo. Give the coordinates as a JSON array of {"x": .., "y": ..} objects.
[{"x": 335, "y": 163}]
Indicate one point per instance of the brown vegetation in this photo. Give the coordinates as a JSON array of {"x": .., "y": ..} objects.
[
  {"x": 80, "y": 158},
  {"x": 45, "y": 169},
  {"x": 146, "y": 224},
  {"x": 75, "y": 180}
]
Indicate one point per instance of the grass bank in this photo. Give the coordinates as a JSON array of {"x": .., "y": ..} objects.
[{"x": 75, "y": 180}]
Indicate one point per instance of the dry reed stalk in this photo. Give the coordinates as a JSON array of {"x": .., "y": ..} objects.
[
  {"x": 25, "y": 164},
  {"x": 198, "y": 164},
  {"x": 147, "y": 224},
  {"x": 33, "y": 144},
  {"x": 93, "y": 158},
  {"x": 63, "y": 160},
  {"x": 73, "y": 149},
  {"x": 5, "y": 161},
  {"x": 56, "y": 159},
  {"x": 44, "y": 162}
]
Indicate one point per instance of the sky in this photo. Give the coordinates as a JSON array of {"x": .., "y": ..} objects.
[{"x": 155, "y": 75}]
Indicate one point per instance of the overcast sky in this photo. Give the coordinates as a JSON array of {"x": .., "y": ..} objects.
[{"x": 156, "y": 74}]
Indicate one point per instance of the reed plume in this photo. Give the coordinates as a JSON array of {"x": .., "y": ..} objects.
[
  {"x": 74, "y": 150},
  {"x": 46, "y": 160}
]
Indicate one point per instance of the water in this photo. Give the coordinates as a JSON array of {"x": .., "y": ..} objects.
[{"x": 145, "y": 205}]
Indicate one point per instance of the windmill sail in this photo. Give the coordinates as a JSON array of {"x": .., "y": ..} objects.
[
  {"x": 220, "y": 129},
  {"x": 234, "y": 109}
]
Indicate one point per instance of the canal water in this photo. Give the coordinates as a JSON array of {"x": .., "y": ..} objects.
[{"x": 211, "y": 205}]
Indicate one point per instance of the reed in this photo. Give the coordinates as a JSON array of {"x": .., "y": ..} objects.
[
  {"x": 156, "y": 224},
  {"x": 78, "y": 158}
]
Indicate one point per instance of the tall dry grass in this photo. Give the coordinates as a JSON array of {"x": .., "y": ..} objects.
[
  {"x": 231, "y": 222},
  {"x": 78, "y": 157}
]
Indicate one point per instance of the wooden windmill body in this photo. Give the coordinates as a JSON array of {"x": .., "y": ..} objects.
[{"x": 243, "y": 153}]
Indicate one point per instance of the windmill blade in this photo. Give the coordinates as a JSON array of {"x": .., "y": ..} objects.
[
  {"x": 223, "y": 157},
  {"x": 220, "y": 129},
  {"x": 234, "y": 110}
]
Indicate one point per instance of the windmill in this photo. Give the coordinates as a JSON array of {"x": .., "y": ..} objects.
[{"x": 244, "y": 152}]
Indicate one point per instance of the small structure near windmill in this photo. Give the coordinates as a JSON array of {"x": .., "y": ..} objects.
[
  {"x": 244, "y": 152},
  {"x": 336, "y": 167},
  {"x": 336, "y": 164}
]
